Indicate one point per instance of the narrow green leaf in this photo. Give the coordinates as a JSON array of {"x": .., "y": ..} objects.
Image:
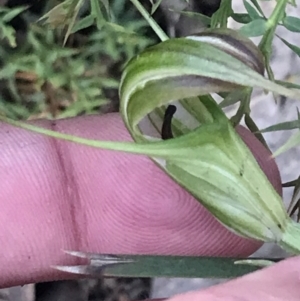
[
  {"x": 83, "y": 23},
  {"x": 3, "y": 9},
  {"x": 252, "y": 12},
  {"x": 118, "y": 28},
  {"x": 292, "y": 183},
  {"x": 291, "y": 23},
  {"x": 295, "y": 48},
  {"x": 254, "y": 129},
  {"x": 156, "y": 28},
  {"x": 106, "y": 6},
  {"x": 204, "y": 19},
  {"x": 287, "y": 84},
  {"x": 295, "y": 196},
  {"x": 9, "y": 33},
  {"x": 163, "y": 266},
  {"x": 74, "y": 12},
  {"x": 291, "y": 143},
  {"x": 180, "y": 266},
  {"x": 97, "y": 13},
  {"x": 283, "y": 126},
  {"x": 155, "y": 6},
  {"x": 255, "y": 28},
  {"x": 12, "y": 13}
]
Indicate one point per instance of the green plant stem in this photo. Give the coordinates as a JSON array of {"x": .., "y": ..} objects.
[
  {"x": 157, "y": 29},
  {"x": 244, "y": 107},
  {"x": 265, "y": 44},
  {"x": 272, "y": 22}
]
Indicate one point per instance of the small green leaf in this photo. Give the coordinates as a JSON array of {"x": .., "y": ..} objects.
[
  {"x": 241, "y": 18},
  {"x": 252, "y": 12},
  {"x": 295, "y": 48},
  {"x": 255, "y": 28},
  {"x": 255, "y": 3},
  {"x": 291, "y": 23}
]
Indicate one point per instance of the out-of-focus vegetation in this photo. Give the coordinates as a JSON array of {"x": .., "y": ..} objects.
[{"x": 40, "y": 76}]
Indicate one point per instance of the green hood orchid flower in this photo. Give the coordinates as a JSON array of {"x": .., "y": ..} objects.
[
  {"x": 210, "y": 161},
  {"x": 206, "y": 155}
]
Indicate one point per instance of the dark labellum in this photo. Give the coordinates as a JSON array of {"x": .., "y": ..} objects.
[{"x": 166, "y": 131}]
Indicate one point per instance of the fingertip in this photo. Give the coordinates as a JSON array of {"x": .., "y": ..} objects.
[{"x": 68, "y": 196}]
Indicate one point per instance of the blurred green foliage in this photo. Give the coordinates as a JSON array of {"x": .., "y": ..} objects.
[{"x": 42, "y": 77}]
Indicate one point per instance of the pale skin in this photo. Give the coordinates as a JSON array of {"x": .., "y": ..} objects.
[{"x": 57, "y": 195}]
